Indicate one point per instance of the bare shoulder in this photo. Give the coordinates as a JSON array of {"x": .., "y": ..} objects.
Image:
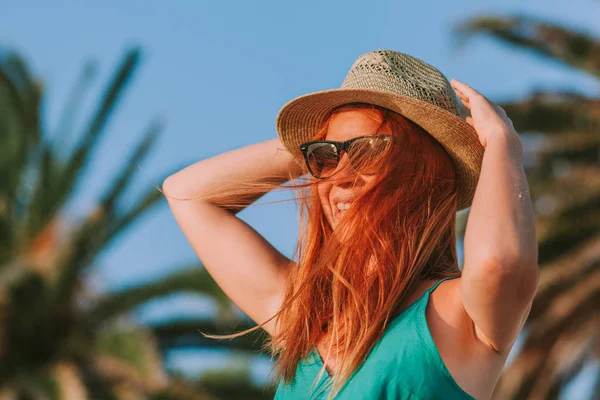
[{"x": 474, "y": 366}]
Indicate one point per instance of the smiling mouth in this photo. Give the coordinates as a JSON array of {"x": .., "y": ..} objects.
[{"x": 343, "y": 206}]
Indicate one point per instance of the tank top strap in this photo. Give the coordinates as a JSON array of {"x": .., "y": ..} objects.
[{"x": 431, "y": 289}]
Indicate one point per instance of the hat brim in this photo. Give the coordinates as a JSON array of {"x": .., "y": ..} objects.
[{"x": 300, "y": 119}]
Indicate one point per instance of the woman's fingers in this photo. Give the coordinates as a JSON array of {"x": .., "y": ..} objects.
[
  {"x": 462, "y": 95},
  {"x": 462, "y": 91},
  {"x": 465, "y": 102},
  {"x": 467, "y": 90}
]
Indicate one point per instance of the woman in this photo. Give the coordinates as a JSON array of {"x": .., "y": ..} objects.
[{"x": 375, "y": 306}]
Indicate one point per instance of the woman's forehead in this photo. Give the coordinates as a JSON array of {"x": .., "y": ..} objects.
[{"x": 353, "y": 123}]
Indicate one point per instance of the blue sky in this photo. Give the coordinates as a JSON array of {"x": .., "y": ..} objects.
[{"x": 218, "y": 72}]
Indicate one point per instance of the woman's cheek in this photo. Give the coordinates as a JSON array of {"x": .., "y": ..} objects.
[{"x": 323, "y": 190}]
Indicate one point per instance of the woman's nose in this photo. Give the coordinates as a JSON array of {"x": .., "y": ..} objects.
[
  {"x": 345, "y": 174},
  {"x": 344, "y": 165}
]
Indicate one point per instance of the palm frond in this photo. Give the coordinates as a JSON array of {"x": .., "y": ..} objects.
[
  {"x": 64, "y": 177},
  {"x": 69, "y": 382},
  {"x": 578, "y": 50},
  {"x": 578, "y": 151},
  {"x": 193, "y": 279},
  {"x": 567, "y": 309},
  {"x": 234, "y": 384},
  {"x": 565, "y": 273},
  {"x": 186, "y": 334},
  {"x": 97, "y": 231},
  {"x": 98, "y": 385},
  {"x": 120, "y": 378},
  {"x": 561, "y": 326},
  {"x": 146, "y": 201},
  {"x": 22, "y": 336},
  {"x": 19, "y": 115},
  {"x": 40, "y": 209},
  {"x": 11, "y": 273},
  {"x": 57, "y": 181},
  {"x": 73, "y": 105},
  {"x": 118, "y": 186},
  {"x": 22, "y": 92},
  {"x": 42, "y": 384},
  {"x": 115, "y": 372},
  {"x": 555, "y": 113},
  {"x": 85, "y": 243},
  {"x": 135, "y": 348},
  {"x": 74, "y": 167},
  {"x": 180, "y": 389},
  {"x": 573, "y": 226},
  {"x": 541, "y": 370}
]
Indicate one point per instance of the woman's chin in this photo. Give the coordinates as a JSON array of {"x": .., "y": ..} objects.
[{"x": 337, "y": 217}]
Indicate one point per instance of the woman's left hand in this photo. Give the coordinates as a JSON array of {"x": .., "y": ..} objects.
[{"x": 487, "y": 118}]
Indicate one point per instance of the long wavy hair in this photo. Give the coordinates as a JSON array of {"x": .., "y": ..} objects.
[{"x": 345, "y": 289}]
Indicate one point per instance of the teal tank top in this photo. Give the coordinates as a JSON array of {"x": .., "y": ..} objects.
[{"x": 403, "y": 365}]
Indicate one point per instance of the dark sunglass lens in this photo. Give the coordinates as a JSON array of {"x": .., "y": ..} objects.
[
  {"x": 322, "y": 159},
  {"x": 367, "y": 154}
]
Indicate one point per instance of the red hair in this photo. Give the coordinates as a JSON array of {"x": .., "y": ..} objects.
[{"x": 405, "y": 230}]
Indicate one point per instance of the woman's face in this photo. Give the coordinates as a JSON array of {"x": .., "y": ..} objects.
[{"x": 348, "y": 183}]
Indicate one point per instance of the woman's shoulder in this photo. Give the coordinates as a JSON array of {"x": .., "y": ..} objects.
[
  {"x": 445, "y": 307},
  {"x": 453, "y": 332}
]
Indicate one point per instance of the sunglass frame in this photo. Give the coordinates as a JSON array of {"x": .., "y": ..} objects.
[{"x": 339, "y": 147}]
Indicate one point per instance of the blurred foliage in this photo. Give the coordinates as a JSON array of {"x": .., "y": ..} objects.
[
  {"x": 59, "y": 339},
  {"x": 219, "y": 382},
  {"x": 562, "y": 334}
]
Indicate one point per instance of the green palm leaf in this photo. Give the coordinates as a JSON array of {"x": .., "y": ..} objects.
[
  {"x": 94, "y": 234},
  {"x": 194, "y": 279},
  {"x": 135, "y": 349},
  {"x": 118, "y": 186},
  {"x": 559, "y": 338},
  {"x": 80, "y": 156},
  {"x": 72, "y": 107},
  {"x": 146, "y": 200},
  {"x": 575, "y": 49},
  {"x": 19, "y": 108},
  {"x": 40, "y": 208},
  {"x": 187, "y": 334},
  {"x": 569, "y": 271},
  {"x": 67, "y": 175},
  {"x": 554, "y": 113},
  {"x": 180, "y": 389},
  {"x": 568, "y": 231},
  {"x": 234, "y": 384}
]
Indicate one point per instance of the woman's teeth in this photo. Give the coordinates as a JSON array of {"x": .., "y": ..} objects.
[{"x": 343, "y": 206}]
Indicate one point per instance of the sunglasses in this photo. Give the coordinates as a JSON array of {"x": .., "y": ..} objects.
[{"x": 323, "y": 156}]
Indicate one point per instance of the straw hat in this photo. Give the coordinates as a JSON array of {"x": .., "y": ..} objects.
[{"x": 403, "y": 84}]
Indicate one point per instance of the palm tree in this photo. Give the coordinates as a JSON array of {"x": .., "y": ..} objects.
[
  {"x": 57, "y": 339},
  {"x": 563, "y": 330}
]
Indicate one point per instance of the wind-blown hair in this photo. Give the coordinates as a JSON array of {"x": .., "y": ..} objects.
[
  {"x": 400, "y": 231},
  {"x": 349, "y": 282}
]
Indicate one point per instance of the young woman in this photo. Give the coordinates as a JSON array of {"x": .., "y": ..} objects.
[{"x": 375, "y": 306}]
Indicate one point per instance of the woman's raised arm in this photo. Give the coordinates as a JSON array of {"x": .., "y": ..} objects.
[
  {"x": 242, "y": 262},
  {"x": 500, "y": 272}
]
